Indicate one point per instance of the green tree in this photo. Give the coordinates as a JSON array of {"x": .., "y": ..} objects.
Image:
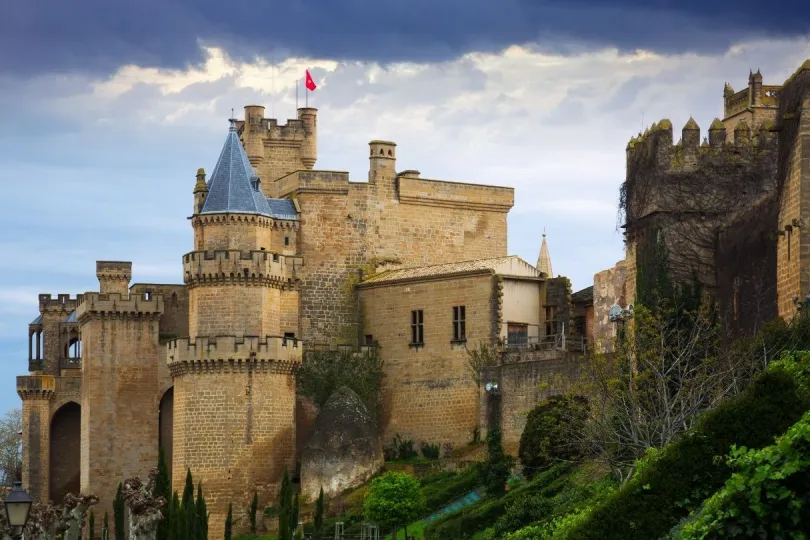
[
  {"x": 202, "y": 515},
  {"x": 498, "y": 464},
  {"x": 318, "y": 522},
  {"x": 294, "y": 513},
  {"x": 394, "y": 499},
  {"x": 254, "y": 507},
  {"x": 163, "y": 489},
  {"x": 118, "y": 512},
  {"x": 188, "y": 511},
  {"x": 547, "y": 439},
  {"x": 285, "y": 507},
  {"x": 229, "y": 522},
  {"x": 106, "y": 526},
  {"x": 91, "y": 533},
  {"x": 175, "y": 519},
  {"x": 323, "y": 372}
]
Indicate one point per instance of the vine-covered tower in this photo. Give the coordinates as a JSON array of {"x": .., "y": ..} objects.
[{"x": 234, "y": 387}]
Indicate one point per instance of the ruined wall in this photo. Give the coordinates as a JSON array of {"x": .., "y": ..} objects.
[
  {"x": 686, "y": 191},
  {"x": 746, "y": 268},
  {"x": 120, "y": 381},
  {"x": 609, "y": 288},
  {"x": 532, "y": 377},
  {"x": 428, "y": 394},
  {"x": 793, "y": 250}
]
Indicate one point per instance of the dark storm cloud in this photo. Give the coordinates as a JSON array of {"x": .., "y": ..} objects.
[{"x": 98, "y": 36}]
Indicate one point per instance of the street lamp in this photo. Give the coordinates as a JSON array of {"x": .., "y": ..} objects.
[{"x": 18, "y": 505}]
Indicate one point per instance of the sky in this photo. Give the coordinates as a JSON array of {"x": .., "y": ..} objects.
[{"x": 109, "y": 108}]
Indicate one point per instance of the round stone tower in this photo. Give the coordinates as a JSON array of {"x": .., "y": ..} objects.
[{"x": 234, "y": 387}]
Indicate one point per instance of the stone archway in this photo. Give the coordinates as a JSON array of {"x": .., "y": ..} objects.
[
  {"x": 166, "y": 421},
  {"x": 65, "y": 452}
]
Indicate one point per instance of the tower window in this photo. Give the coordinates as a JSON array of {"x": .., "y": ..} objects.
[
  {"x": 286, "y": 240},
  {"x": 417, "y": 327},
  {"x": 459, "y": 323}
]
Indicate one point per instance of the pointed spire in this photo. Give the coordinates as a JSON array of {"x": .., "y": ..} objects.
[
  {"x": 544, "y": 259},
  {"x": 234, "y": 185}
]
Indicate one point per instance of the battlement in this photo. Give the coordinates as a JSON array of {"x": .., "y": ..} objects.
[
  {"x": 293, "y": 131},
  {"x": 206, "y": 354},
  {"x": 655, "y": 146},
  {"x": 142, "y": 305},
  {"x": 36, "y": 386},
  {"x": 243, "y": 267},
  {"x": 412, "y": 190},
  {"x": 311, "y": 181},
  {"x": 62, "y": 302}
]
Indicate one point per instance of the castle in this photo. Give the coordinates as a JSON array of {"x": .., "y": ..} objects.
[
  {"x": 286, "y": 258},
  {"x": 730, "y": 212}
]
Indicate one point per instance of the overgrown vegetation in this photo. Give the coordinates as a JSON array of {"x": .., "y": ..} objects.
[
  {"x": 323, "y": 372},
  {"x": 546, "y": 439},
  {"x": 393, "y": 501}
]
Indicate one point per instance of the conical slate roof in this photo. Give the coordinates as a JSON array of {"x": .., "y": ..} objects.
[
  {"x": 234, "y": 185},
  {"x": 544, "y": 259}
]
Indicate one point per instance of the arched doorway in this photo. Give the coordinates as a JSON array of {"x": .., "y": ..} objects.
[
  {"x": 166, "y": 420},
  {"x": 65, "y": 448}
]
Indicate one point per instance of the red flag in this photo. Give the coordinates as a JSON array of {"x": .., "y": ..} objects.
[{"x": 310, "y": 84}]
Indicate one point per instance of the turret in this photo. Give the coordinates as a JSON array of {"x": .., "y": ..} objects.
[
  {"x": 200, "y": 191},
  {"x": 114, "y": 277},
  {"x": 309, "y": 146},
  {"x": 690, "y": 135},
  {"x": 755, "y": 88},
  {"x": 382, "y": 159},
  {"x": 253, "y": 134},
  {"x": 717, "y": 134}
]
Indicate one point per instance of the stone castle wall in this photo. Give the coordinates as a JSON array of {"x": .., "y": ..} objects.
[
  {"x": 120, "y": 390},
  {"x": 428, "y": 392}
]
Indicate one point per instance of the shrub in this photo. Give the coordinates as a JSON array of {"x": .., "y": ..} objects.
[
  {"x": 549, "y": 435},
  {"x": 393, "y": 500},
  {"x": 439, "y": 490},
  {"x": 498, "y": 464},
  {"x": 686, "y": 471},
  {"x": 400, "y": 449},
  {"x": 767, "y": 496},
  {"x": 430, "y": 451}
]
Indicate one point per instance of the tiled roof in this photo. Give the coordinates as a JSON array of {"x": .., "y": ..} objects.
[
  {"x": 235, "y": 187},
  {"x": 511, "y": 265},
  {"x": 584, "y": 296},
  {"x": 71, "y": 317},
  {"x": 38, "y": 320}
]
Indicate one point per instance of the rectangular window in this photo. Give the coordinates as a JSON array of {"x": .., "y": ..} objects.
[
  {"x": 286, "y": 240},
  {"x": 579, "y": 325},
  {"x": 517, "y": 334},
  {"x": 369, "y": 340},
  {"x": 459, "y": 323},
  {"x": 288, "y": 337},
  {"x": 417, "y": 327}
]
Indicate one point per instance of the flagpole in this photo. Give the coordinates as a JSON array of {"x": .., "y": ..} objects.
[{"x": 306, "y": 96}]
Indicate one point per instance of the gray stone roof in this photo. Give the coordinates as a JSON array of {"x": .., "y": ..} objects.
[
  {"x": 38, "y": 320},
  {"x": 235, "y": 187},
  {"x": 72, "y": 317}
]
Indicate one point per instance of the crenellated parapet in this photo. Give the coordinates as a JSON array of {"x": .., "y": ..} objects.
[
  {"x": 235, "y": 267},
  {"x": 62, "y": 302},
  {"x": 231, "y": 354},
  {"x": 142, "y": 306},
  {"x": 36, "y": 386}
]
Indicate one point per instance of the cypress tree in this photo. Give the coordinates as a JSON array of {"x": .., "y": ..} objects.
[
  {"x": 229, "y": 522},
  {"x": 254, "y": 506},
  {"x": 285, "y": 509},
  {"x": 106, "y": 526},
  {"x": 175, "y": 519},
  {"x": 163, "y": 489},
  {"x": 294, "y": 514},
  {"x": 188, "y": 511},
  {"x": 318, "y": 517},
  {"x": 92, "y": 526},
  {"x": 118, "y": 512},
  {"x": 202, "y": 515}
]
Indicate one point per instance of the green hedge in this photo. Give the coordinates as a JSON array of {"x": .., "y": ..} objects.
[
  {"x": 478, "y": 516},
  {"x": 440, "y": 493},
  {"x": 687, "y": 471}
]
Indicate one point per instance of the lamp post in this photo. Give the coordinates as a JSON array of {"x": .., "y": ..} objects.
[{"x": 18, "y": 506}]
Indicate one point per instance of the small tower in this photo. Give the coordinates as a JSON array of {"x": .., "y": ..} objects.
[
  {"x": 382, "y": 159},
  {"x": 200, "y": 191},
  {"x": 755, "y": 89},
  {"x": 234, "y": 377},
  {"x": 544, "y": 259}
]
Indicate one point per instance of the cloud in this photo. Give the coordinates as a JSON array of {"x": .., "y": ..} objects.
[{"x": 97, "y": 36}]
